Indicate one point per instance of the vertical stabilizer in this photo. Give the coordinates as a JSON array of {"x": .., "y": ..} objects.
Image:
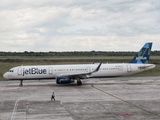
[{"x": 142, "y": 57}]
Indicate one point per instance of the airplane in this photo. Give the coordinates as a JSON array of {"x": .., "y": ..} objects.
[{"x": 66, "y": 74}]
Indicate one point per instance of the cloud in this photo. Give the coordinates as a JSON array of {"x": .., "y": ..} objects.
[{"x": 72, "y": 25}]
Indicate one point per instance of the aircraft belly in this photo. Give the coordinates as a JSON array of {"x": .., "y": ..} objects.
[
  {"x": 108, "y": 73},
  {"x": 35, "y": 77}
]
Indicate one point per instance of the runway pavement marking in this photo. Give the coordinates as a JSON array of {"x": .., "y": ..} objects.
[
  {"x": 15, "y": 108},
  {"x": 145, "y": 110},
  {"x": 67, "y": 110}
]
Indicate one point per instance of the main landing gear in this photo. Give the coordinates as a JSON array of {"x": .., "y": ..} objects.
[
  {"x": 79, "y": 83},
  {"x": 21, "y": 83}
]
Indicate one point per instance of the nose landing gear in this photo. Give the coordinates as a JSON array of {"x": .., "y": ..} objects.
[{"x": 21, "y": 83}]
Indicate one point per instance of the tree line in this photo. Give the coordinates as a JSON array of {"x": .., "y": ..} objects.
[{"x": 75, "y": 53}]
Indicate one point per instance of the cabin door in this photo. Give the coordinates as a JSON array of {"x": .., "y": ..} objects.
[
  {"x": 20, "y": 71},
  {"x": 129, "y": 68},
  {"x": 50, "y": 71}
]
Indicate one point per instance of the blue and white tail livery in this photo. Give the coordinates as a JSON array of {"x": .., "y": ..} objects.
[
  {"x": 65, "y": 74},
  {"x": 142, "y": 57}
]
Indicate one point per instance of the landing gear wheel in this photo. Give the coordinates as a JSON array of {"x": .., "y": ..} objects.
[
  {"x": 21, "y": 83},
  {"x": 79, "y": 83}
]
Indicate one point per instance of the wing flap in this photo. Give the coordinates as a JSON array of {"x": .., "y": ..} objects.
[{"x": 80, "y": 74}]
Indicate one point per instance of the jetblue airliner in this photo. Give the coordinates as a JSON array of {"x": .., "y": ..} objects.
[{"x": 65, "y": 74}]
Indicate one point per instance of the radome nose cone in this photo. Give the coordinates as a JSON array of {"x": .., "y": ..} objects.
[{"x": 5, "y": 75}]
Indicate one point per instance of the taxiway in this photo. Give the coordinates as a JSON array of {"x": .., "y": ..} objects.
[{"x": 124, "y": 98}]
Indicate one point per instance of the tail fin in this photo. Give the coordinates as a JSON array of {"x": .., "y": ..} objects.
[{"x": 143, "y": 55}]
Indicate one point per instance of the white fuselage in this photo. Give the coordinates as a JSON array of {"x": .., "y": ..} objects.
[{"x": 52, "y": 71}]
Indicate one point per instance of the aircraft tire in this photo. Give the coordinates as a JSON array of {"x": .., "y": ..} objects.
[
  {"x": 21, "y": 83},
  {"x": 79, "y": 83}
]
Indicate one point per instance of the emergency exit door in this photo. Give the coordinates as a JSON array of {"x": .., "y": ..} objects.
[
  {"x": 88, "y": 69},
  {"x": 129, "y": 69}
]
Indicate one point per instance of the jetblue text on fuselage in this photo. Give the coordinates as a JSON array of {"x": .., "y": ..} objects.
[{"x": 33, "y": 71}]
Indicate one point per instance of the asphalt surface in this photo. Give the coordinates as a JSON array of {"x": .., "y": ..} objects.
[{"x": 124, "y": 98}]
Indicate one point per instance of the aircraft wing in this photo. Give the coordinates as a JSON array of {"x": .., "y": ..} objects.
[
  {"x": 80, "y": 74},
  {"x": 74, "y": 75}
]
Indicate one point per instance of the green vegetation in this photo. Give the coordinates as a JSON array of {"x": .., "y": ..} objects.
[
  {"x": 7, "y": 62},
  {"x": 71, "y": 54}
]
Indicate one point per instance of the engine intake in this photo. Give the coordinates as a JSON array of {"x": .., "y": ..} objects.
[{"x": 63, "y": 80}]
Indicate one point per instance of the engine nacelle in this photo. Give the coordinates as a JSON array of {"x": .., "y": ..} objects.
[{"x": 63, "y": 80}]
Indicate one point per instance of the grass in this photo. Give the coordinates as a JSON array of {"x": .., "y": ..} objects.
[{"x": 11, "y": 61}]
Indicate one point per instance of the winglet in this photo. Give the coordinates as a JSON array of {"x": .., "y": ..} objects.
[
  {"x": 142, "y": 57},
  {"x": 93, "y": 62},
  {"x": 97, "y": 69}
]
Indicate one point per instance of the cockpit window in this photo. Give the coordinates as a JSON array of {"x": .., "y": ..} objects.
[{"x": 11, "y": 70}]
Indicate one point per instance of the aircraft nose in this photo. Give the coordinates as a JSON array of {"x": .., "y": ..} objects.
[{"x": 5, "y": 75}]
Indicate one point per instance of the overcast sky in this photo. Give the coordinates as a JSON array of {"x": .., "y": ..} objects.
[{"x": 79, "y": 25}]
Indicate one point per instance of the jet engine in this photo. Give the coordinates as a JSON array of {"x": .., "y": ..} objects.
[{"x": 63, "y": 80}]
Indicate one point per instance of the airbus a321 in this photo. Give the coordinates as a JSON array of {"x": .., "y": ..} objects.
[{"x": 66, "y": 74}]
